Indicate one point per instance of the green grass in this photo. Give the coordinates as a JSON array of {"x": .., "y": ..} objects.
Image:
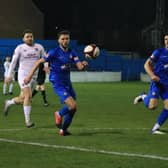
[{"x": 106, "y": 120}]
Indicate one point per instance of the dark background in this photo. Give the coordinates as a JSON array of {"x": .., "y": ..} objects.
[{"x": 112, "y": 24}]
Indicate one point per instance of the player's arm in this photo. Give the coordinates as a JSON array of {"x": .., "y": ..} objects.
[
  {"x": 35, "y": 67},
  {"x": 149, "y": 70}
]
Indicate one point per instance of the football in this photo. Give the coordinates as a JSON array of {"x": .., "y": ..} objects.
[{"x": 91, "y": 51}]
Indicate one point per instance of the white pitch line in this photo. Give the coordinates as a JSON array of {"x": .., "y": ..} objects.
[
  {"x": 12, "y": 129},
  {"x": 73, "y": 128},
  {"x": 85, "y": 149}
]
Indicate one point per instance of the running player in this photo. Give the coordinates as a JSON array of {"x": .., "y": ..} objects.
[
  {"x": 5, "y": 84},
  {"x": 26, "y": 55},
  {"x": 40, "y": 86},
  {"x": 60, "y": 60},
  {"x": 157, "y": 68}
]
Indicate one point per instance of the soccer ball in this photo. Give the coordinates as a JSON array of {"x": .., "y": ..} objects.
[{"x": 91, "y": 51}]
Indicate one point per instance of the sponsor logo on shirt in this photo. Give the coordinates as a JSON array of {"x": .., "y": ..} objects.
[
  {"x": 36, "y": 49},
  {"x": 153, "y": 93},
  {"x": 65, "y": 66},
  {"x": 65, "y": 93}
]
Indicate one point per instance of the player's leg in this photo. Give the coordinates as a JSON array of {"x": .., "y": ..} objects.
[
  {"x": 11, "y": 87},
  {"x": 35, "y": 91},
  {"x": 69, "y": 106},
  {"x": 16, "y": 100},
  {"x": 27, "y": 92},
  {"x": 4, "y": 87},
  {"x": 27, "y": 105},
  {"x": 150, "y": 100},
  {"x": 63, "y": 95},
  {"x": 43, "y": 93},
  {"x": 163, "y": 115},
  {"x": 71, "y": 103}
]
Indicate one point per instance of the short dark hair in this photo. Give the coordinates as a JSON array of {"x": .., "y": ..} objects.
[
  {"x": 66, "y": 32},
  {"x": 27, "y": 31}
]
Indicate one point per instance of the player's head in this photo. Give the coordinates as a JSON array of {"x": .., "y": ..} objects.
[
  {"x": 28, "y": 37},
  {"x": 166, "y": 39},
  {"x": 64, "y": 38}
]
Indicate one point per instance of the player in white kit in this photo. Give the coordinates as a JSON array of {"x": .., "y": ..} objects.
[
  {"x": 5, "y": 85},
  {"x": 26, "y": 55}
]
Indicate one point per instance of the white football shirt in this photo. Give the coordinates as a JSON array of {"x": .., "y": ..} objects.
[{"x": 26, "y": 56}]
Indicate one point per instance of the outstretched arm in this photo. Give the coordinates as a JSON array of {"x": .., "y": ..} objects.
[
  {"x": 149, "y": 69},
  {"x": 29, "y": 77}
]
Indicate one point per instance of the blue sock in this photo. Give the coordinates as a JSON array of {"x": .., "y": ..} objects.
[
  {"x": 63, "y": 111},
  {"x": 68, "y": 119},
  {"x": 162, "y": 117},
  {"x": 146, "y": 101}
]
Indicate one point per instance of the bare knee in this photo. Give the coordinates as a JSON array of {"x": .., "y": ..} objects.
[
  {"x": 153, "y": 104},
  {"x": 166, "y": 104},
  {"x": 152, "y": 107},
  {"x": 72, "y": 106},
  {"x": 71, "y": 103}
]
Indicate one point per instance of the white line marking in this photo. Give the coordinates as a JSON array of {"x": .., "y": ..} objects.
[
  {"x": 12, "y": 129},
  {"x": 85, "y": 149},
  {"x": 73, "y": 128}
]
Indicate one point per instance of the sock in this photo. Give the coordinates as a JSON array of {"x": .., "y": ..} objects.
[
  {"x": 10, "y": 87},
  {"x": 64, "y": 110},
  {"x": 68, "y": 119},
  {"x": 156, "y": 126},
  {"x": 27, "y": 110},
  {"x": 43, "y": 93},
  {"x": 34, "y": 92},
  {"x": 4, "y": 88},
  {"x": 146, "y": 100},
  {"x": 162, "y": 117}
]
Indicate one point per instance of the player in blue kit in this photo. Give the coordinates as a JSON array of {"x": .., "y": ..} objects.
[
  {"x": 157, "y": 68},
  {"x": 60, "y": 60}
]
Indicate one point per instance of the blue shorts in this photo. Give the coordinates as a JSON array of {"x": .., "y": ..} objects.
[
  {"x": 158, "y": 90},
  {"x": 64, "y": 92}
]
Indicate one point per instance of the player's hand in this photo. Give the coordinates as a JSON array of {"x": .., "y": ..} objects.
[
  {"x": 84, "y": 63},
  {"x": 46, "y": 69},
  {"x": 27, "y": 80},
  {"x": 155, "y": 78}
]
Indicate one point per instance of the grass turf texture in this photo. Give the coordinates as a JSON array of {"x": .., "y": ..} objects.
[{"x": 106, "y": 120}]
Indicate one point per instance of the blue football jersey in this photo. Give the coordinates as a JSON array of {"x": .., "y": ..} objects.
[
  {"x": 159, "y": 59},
  {"x": 60, "y": 63}
]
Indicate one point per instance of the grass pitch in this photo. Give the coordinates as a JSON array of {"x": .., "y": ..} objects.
[{"x": 108, "y": 131}]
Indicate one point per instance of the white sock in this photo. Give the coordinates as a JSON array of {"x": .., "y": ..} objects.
[
  {"x": 4, "y": 88},
  {"x": 27, "y": 110},
  {"x": 11, "y": 88},
  {"x": 156, "y": 126}
]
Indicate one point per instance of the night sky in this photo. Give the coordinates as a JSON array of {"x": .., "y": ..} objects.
[{"x": 125, "y": 19}]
